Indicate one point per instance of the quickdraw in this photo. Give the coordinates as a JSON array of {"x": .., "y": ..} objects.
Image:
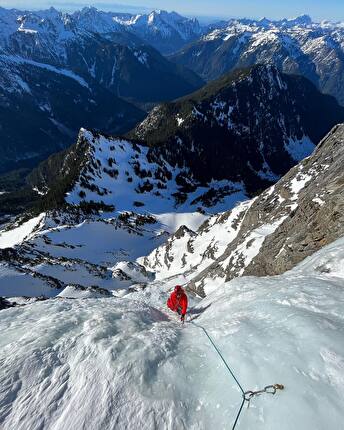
[
  {"x": 247, "y": 396},
  {"x": 269, "y": 389}
]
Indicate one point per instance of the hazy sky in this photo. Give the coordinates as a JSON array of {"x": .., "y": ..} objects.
[{"x": 318, "y": 9}]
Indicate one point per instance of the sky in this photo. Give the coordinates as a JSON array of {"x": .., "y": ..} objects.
[{"x": 318, "y": 9}]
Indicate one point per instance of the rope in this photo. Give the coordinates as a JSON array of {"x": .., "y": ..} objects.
[
  {"x": 246, "y": 395},
  {"x": 221, "y": 356}
]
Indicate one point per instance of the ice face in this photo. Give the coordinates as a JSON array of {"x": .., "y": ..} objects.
[{"x": 128, "y": 363}]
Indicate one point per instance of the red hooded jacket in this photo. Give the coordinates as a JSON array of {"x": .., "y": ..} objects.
[{"x": 178, "y": 300}]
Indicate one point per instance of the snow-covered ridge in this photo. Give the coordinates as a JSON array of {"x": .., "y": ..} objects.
[
  {"x": 301, "y": 23},
  {"x": 249, "y": 37},
  {"x": 138, "y": 203},
  {"x": 188, "y": 252},
  {"x": 162, "y": 23},
  {"x": 121, "y": 174}
]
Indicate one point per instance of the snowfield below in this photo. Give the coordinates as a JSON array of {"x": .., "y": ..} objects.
[{"x": 127, "y": 364}]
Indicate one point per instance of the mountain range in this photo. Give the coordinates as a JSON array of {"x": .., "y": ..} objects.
[
  {"x": 152, "y": 193},
  {"x": 110, "y": 70},
  {"x": 298, "y": 46},
  {"x": 107, "y": 76},
  {"x": 217, "y": 162},
  {"x": 202, "y": 152},
  {"x": 146, "y": 237}
]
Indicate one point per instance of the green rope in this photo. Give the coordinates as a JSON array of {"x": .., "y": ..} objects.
[
  {"x": 229, "y": 369},
  {"x": 238, "y": 415},
  {"x": 221, "y": 356}
]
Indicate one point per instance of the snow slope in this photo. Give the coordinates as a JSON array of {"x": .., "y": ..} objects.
[
  {"x": 18, "y": 234},
  {"x": 121, "y": 173},
  {"x": 128, "y": 365},
  {"x": 16, "y": 282},
  {"x": 65, "y": 250}
]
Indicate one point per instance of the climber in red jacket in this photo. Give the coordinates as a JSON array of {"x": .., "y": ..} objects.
[{"x": 178, "y": 302}]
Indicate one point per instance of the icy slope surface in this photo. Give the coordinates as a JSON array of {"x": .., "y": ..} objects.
[{"x": 127, "y": 366}]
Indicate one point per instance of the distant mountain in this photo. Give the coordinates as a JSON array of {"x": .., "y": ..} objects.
[
  {"x": 296, "y": 46},
  {"x": 137, "y": 73},
  {"x": 167, "y": 32},
  {"x": 249, "y": 127},
  {"x": 95, "y": 46},
  {"x": 268, "y": 235},
  {"x": 94, "y": 62}
]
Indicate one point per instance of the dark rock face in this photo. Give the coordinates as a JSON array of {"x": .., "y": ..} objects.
[
  {"x": 130, "y": 69},
  {"x": 5, "y": 304},
  {"x": 250, "y": 126},
  {"x": 312, "y": 50},
  {"x": 319, "y": 218},
  {"x": 295, "y": 218}
]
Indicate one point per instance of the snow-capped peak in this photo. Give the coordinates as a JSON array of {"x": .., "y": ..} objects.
[
  {"x": 51, "y": 26},
  {"x": 300, "y": 20},
  {"x": 160, "y": 23}
]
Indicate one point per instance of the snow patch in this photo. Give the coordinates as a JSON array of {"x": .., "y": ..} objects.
[
  {"x": 17, "y": 235},
  {"x": 250, "y": 247},
  {"x": 299, "y": 149},
  {"x": 298, "y": 183},
  {"x": 67, "y": 73},
  {"x": 318, "y": 201}
]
